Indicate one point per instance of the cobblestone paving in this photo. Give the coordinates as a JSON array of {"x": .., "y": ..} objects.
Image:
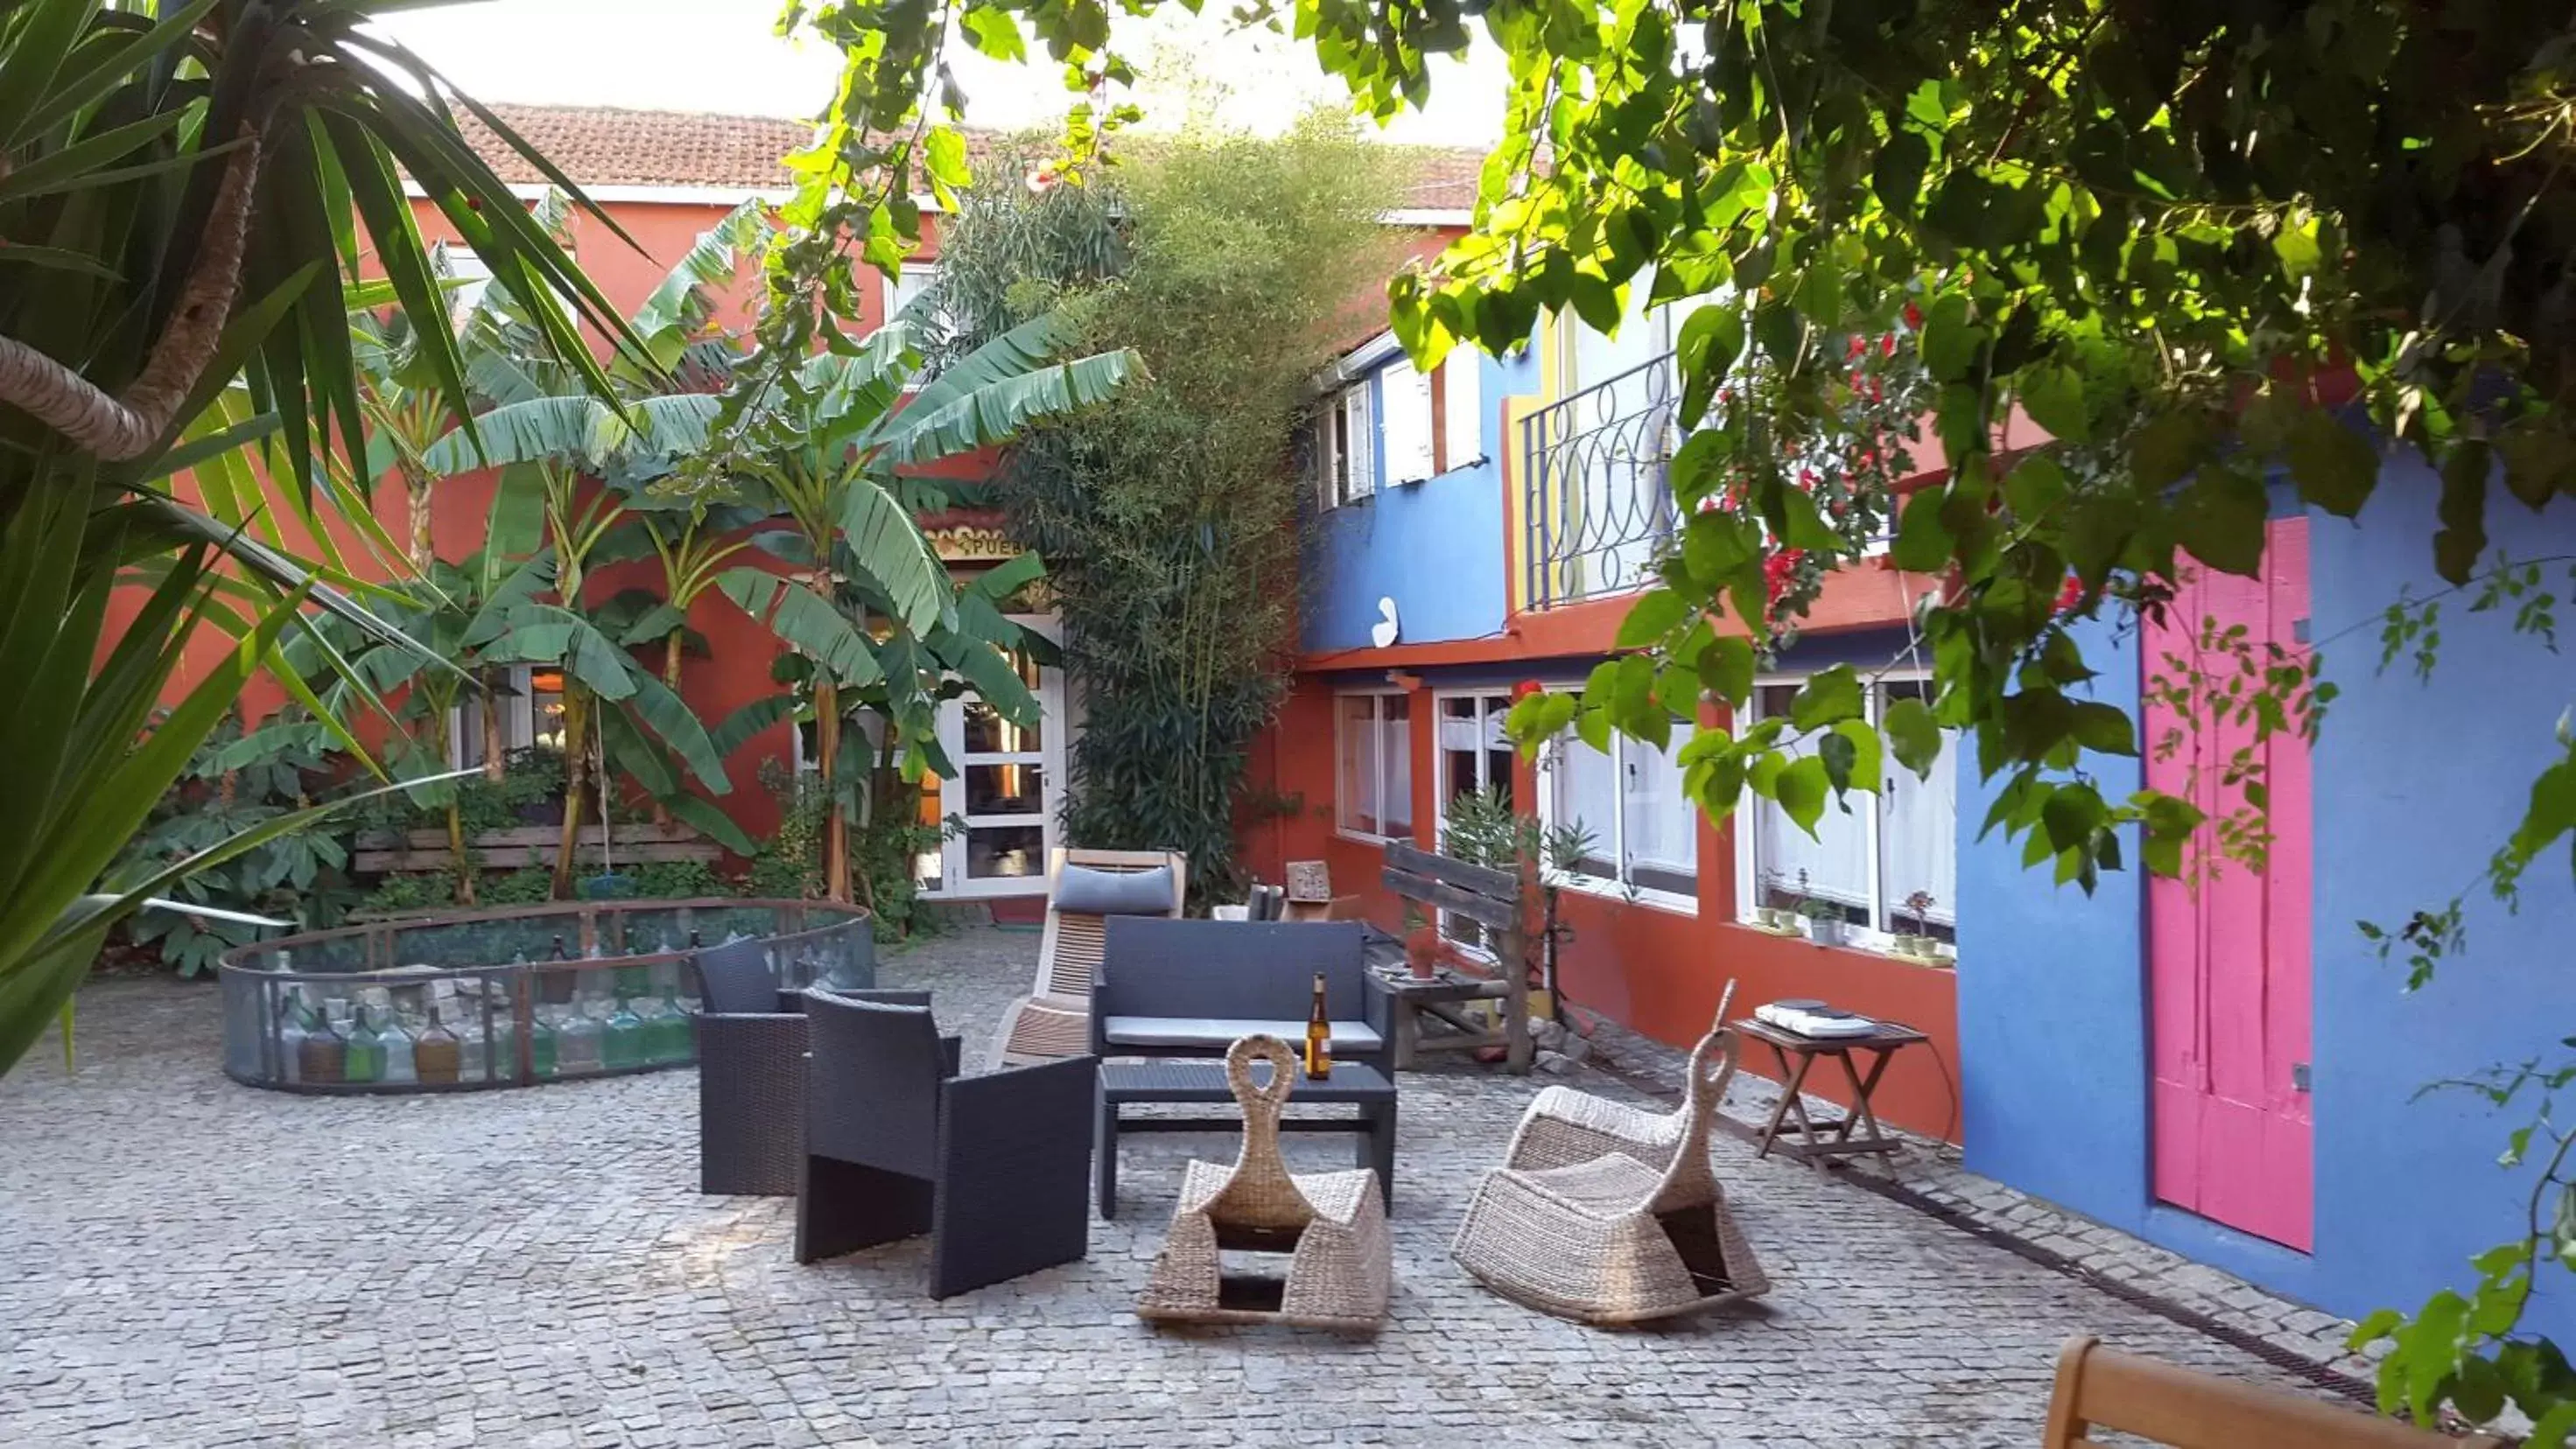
[{"x": 191, "y": 1262}]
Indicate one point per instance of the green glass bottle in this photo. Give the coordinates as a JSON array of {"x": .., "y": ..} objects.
[
  {"x": 623, "y": 1043},
  {"x": 366, "y": 1058},
  {"x": 543, "y": 1042},
  {"x": 675, "y": 1037}
]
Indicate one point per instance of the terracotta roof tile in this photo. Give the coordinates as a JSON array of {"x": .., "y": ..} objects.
[{"x": 610, "y": 146}]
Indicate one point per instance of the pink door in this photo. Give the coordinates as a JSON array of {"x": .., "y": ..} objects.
[{"x": 2227, "y": 945}]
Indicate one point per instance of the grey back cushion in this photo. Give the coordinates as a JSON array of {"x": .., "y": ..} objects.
[{"x": 1084, "y": 891}]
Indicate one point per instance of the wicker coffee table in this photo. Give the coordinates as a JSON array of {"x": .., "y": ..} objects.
[{"x": 1125, "y": 1083}]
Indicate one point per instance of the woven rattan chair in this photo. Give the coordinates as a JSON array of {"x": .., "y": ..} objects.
[
  {"x": 1565, "y": 1127},
  {"x": 1613, "y": 1240},
  {"x": 1332, "y": 1225},
  {"x": 751, "y": 1072},
  {"x": 995, "y": 1168},
  {"x": 1054, "y": 1020}
]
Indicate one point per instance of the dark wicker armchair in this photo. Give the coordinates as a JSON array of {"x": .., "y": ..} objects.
[
  {"x": 995, "y": 1168},
  {"x": 751, "y": 1072}
]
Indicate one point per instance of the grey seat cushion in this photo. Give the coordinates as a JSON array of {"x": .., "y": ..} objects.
[
  {"x": 1082, "y": 890},
  {"x": 1218, "y": 1031}
]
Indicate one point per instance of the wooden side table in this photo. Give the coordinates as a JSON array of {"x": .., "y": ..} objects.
[{"x": 1818, "y": 1143}]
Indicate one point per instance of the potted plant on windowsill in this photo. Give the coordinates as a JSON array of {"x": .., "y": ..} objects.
[
  {"x": 1923, "y": 945},
  {"x": 1825, "y": 921},
  {"x": 1779, "y": 920}
]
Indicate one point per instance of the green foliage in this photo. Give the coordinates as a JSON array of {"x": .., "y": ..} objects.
[
  {"x": 1170, "y": 516},
  {"x": 526, "y": 886},
  {"x": 679, "y": 880},
  {"x": 225, "y": 790},
  {"x": 789, "y": 864},
  {"x": 423, "y": 891}
]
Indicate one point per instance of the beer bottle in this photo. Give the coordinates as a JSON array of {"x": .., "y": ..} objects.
[{"x": 1319, "y": 1036}]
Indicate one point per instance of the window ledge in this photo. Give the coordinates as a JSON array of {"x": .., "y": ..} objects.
[
  {"x": 1879, "y": 948},
  {"x": 1362, "y": 837},
  {"x": 1664, "y": 901}
]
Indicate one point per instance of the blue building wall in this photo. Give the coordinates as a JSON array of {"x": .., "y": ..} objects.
[
  {"x": 2414, "y": 785},
  {"x": 1436, "y": 547}
]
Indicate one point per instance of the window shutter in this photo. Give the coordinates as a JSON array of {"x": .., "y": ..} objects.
[
  {"x": 1363, "y": 441},
  {"x": 1463, "y": 399},
  {"x": 1408, "y": 423}
]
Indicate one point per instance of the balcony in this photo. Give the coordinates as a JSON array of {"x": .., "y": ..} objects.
[{"x": 1595, "y": 473}]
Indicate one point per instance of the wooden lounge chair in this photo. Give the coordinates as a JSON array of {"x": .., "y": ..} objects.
[
  {"x": 1614, "y": 1240},
  {"x": 2101, "y": 1388},
  {"x": 1054, "y": 1020}
]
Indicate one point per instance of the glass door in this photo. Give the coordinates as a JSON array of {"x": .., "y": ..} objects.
[{"x": 1008, "y": 787}]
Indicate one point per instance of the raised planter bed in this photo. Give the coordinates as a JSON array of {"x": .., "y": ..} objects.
[{"x": 383, "y": 852}]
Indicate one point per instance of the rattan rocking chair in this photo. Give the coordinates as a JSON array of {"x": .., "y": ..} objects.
[
  {"x": 1613, "y": 1239},
  {"x": 1565, "y": 1128},
  {"x": 1332, "y": 1225}
]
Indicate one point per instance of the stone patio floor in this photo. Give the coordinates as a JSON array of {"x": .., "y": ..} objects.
[{"x": 192, "y": 1262}]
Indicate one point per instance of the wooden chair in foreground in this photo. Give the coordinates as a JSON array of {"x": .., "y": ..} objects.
[
  {"x": 1054, "y": 1020},
  {"x": 2103, "y": 1388}
]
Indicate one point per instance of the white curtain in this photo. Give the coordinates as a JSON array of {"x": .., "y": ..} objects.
[
  {"x": 1836, "y": 862},
  {"x": 1921, "y": 836},
  {"x": 1662, "y": 833},
  {"x": 1583, "y": 789},
  {"x": 1395, "y": 750},
  {"x": 1359, "y": 763}
]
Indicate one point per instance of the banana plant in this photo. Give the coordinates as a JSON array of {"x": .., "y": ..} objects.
[
  {"x": 182, "y": 191},
  {"x": 828, "y": 461}
]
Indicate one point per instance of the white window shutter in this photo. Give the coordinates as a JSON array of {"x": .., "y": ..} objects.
[
  {"x": 1363, "y": 441},
  {"x": 1408, "y": 423},
  {"x": 1463, "y": 400}
]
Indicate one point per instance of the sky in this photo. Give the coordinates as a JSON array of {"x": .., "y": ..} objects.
[{"x": 721, "y": 56}]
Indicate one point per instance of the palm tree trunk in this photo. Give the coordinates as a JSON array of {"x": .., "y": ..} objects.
[
  {"x": 576, "y": 729},
  {"x": 420, "y": 488},
  {"x": 441, "y": 742},
  {"x": 496, "y": 737},
  {"x": 827, "y": 760}
]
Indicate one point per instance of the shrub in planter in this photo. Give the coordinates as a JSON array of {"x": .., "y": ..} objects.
[{"x": 1825, "y": 922}]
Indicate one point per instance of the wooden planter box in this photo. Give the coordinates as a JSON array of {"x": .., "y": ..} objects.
[{"x": 382, "y": 852}]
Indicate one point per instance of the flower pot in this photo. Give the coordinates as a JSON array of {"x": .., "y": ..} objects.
[
  {"x": 1422, "y": 953},
  {"x": 1826, "y": 930},
  {"x": 1773, "y": 918}
]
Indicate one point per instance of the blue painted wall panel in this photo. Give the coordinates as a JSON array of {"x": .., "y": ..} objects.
[
  {"x": 1436, "y": 548},
  {"x": 2414, "y": 785},
  {"x": 2052, "y": 1028}
]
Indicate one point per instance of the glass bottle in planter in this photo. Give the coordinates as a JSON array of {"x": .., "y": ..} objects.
[
  {"x": 394, "y": 1040},
  {"x": 437, "y": 1055},
  {"x": 365, "y": 1061},
  {"x": 545, "y": 1044},
  {"x": 322, "y": 1057},
  {"x": 290, "y": 1035},
  {"x": 577, "y": 1040},
  {"x": 622, "y": 1037}
]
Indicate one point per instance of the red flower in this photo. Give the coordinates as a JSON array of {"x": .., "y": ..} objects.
[
  {"x": 1043, "y": 180},
  {"x": 1913, "y": 316},
  {"x": 1859, "y": 345},
  {"x": 2070, "y": 594},
  {"x": 1887, "y": 345},
  {"x": 1775, "y": 572},
  {"x": 1525, "y": 689}
]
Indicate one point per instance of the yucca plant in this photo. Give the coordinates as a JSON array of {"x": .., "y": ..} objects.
[{"x": 183, "y": 189}]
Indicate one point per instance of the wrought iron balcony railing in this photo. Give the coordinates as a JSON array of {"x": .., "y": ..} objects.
[{"x": 1596, "y": 467}]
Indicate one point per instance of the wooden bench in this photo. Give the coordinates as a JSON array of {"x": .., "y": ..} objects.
[
  {"x": 384, "y": 852},
  {"x": 1429, "y": 1015},
  {"x": 2102, "y": 1388}
]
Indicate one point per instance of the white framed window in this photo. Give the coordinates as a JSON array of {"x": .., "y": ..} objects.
[
  {"x": 1871, "y": 856},
  {"x": 1643, "y": 829},
  {"x": 1462, "y": 407},
  {"x": 530, "y": 705},
  {"x": 1345, "y": 446},
  {"x": 906, "y": 286},
  {"x": 1470, "y": 753},
  {"x": 471, "y": 276},
  {"x": 1406, "y": 422},
  {"x": 1373, "y": 753}
]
